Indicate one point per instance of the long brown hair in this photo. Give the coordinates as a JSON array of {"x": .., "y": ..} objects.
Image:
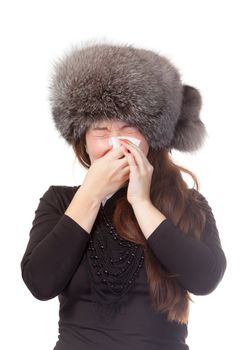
[{"x": 170, "y": 194}]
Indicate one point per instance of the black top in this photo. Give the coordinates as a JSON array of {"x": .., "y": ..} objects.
[{"x": 56, "y": 262}]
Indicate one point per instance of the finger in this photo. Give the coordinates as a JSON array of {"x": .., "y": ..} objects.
[
  {"x": 126, "y": 170},
  {"x": 131, "y": 161},
  {"x": 137, "y": 154},
  {"x": 122, "y": 162},
  {"x": 115, "y": 153}
]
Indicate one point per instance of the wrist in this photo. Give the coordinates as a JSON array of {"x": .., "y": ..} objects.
[
  {"x": 142, "y": 204},
  {"x": 91, "y": 196},
  {"x": 147, "y": 216}
]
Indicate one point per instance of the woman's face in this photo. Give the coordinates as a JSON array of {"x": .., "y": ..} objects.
[{"x": 97, "y": 137}]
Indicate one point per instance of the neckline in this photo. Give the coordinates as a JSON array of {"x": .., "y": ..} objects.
[{"x": 111, "y": 201}]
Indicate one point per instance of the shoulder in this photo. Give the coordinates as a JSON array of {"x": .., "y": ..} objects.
[
  {"x": 197, "y": 195},
  {"x": 199, "y": 199},
  {"x": 54, "y": 190},
  {"x": 59, "y": 195},
  {"x": 63, "y": 188}
]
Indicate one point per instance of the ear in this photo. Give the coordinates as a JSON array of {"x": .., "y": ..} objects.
[{"x": 190, "y": 131}]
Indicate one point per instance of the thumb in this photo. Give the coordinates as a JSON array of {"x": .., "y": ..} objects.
[{"x": 115, "y": 153}]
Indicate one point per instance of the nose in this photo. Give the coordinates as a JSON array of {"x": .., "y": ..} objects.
[{"x": 113, "y": 133}]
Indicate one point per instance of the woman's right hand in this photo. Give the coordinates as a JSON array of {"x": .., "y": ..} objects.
[{"x": 108, "y": 173}]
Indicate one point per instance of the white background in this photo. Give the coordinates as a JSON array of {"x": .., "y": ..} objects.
[{"x": 205, "y": 41}]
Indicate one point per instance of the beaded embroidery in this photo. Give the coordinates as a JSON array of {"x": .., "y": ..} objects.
[{"x": 113, "y": 264}]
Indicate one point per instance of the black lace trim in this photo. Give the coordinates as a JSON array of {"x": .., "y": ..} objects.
[{"x": 113, "y": 264}]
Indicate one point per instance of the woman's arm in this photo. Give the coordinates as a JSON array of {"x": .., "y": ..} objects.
[
  {"x": 56, "y": 243},
  {"x": 200, "y": 265}
]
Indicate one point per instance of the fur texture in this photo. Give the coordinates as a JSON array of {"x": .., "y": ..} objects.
[{"x": 104, "y": 81}]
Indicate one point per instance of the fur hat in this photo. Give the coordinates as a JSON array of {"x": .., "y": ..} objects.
[{"x": 138, "y": 86}]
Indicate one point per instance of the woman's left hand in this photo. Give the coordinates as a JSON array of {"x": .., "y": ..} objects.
[{"x": 140, "y": 174}]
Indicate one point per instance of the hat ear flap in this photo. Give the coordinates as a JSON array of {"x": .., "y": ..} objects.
[{"x": 190, "y": 131}]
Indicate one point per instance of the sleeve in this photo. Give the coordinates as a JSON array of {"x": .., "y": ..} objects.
[
  {"x": 200, "y": 264},
  {"x": 54, "y": 251}
]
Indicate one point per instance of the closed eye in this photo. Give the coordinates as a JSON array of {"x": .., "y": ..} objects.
[
  {"x": 104, "y": 128},
  {"x": 102, "y": 131}
]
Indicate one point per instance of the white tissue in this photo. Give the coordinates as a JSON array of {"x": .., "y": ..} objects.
[{"x": 114, "y": 140}]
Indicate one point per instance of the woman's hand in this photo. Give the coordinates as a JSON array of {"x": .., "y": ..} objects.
[
  {"x": 107, "y": 174},
  {"x": 140, "y": 174}
]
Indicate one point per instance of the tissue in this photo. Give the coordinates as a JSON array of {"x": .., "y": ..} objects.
[{"x": 114, "y": 140}]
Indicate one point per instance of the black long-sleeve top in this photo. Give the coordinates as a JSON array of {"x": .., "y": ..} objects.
[{"x": 54, "y": 264}]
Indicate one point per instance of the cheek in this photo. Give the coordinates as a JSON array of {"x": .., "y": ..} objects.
[
  {"x": 99, "y": 148},
  {"x": 145, "y": 149},
  {"x": 143, "y": 145}
]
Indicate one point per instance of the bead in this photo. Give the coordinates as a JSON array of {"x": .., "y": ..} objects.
[{"x": 130, "y": 253}]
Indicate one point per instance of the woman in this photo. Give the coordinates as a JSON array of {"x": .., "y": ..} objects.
[{"x": 124, "y": 250}]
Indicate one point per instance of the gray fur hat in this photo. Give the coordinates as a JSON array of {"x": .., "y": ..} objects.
[{"x": 138, "y": 86}]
